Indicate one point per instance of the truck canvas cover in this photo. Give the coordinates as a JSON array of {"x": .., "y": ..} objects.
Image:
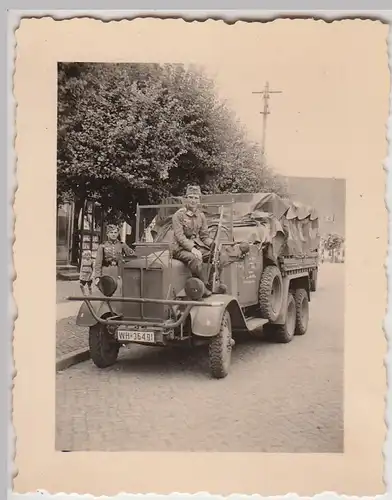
[{"x": 291, "y": 227}]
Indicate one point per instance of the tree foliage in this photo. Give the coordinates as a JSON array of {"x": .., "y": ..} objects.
[
  {"x": 333, "y": 241},
  {"x": 132, "y": 133}
]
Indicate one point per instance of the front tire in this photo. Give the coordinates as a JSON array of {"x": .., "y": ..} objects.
[
  {"x": 220, "y": 349},
  {"x": 103, "y": 346}
]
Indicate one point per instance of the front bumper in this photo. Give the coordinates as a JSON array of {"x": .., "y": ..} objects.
[{"x": 119, "y": 321}]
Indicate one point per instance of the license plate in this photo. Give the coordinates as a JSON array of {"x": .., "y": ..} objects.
[{"x": 135, "y": 336}]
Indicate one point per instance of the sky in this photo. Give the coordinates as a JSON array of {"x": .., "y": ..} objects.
[
  {"x": 327, "y": 196},
  {"x": 310, "y": 129},
  {"x": 330, "y": 119}
]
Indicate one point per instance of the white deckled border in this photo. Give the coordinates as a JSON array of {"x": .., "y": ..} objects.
[{"x": 388, "y": 320}]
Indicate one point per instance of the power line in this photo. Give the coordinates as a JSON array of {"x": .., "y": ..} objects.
[{"x": 266, "y": 96}]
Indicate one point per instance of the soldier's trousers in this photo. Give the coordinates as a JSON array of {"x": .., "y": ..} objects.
[{"x": 194, "y": 264}]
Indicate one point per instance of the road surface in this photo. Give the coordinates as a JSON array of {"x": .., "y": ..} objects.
[{"x": 277, "y": 398}]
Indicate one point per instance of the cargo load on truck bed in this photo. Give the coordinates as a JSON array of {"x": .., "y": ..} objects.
[{"x": 291, "y": 228}]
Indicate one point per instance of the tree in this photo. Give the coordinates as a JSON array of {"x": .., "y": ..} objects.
[
  {"x": 131, "y": 133},
  {"x": 333, "y": 242}
]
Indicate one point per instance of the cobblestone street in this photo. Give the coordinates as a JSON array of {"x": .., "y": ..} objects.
[{"x": 277, "y": 398}]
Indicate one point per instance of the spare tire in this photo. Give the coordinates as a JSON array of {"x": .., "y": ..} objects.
[{"x": 271, "y": 293}]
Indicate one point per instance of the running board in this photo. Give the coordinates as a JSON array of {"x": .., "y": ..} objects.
[{"x": 255, "y": 323}]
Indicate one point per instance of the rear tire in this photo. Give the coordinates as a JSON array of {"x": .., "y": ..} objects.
[
  {"x": 220, "y": 349},
  {"x": 271, "y": 293},
  {"x": 313, "y": 280},
  {"x": 302, "y": 311},
  {"x": 103, "y": 346},
  {"x": 283, "y": 334}
]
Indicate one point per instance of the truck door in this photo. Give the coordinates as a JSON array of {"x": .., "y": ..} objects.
[{"x": 249, "y": 276}]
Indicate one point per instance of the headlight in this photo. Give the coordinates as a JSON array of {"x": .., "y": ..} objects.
[
  {"x": 194, "y": 288},
  {"x": 107, "y": 285}
]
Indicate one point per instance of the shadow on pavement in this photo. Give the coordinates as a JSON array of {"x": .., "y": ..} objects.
[{"x": 184, "y": 360}]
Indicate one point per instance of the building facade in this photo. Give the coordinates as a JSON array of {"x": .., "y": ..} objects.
[
  {"x": 82, "y": 228},
  {"x": 78, "y": 228}
]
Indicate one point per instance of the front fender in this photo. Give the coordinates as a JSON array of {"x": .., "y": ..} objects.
[
  {"x": 85, "y": 318},
  {"x": 206, "y": 321}
]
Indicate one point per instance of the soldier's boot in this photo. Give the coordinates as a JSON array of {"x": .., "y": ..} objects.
[{"x": 196, "y": 269}]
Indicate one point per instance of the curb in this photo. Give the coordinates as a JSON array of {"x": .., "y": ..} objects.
[
  {"x": 72, "y": 358},
  {"x": 67, "y": 277}
]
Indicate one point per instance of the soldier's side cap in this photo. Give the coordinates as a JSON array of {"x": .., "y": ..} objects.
[
  {"x": 111, "y": 227},
  {"x": 193, "y": 190}
]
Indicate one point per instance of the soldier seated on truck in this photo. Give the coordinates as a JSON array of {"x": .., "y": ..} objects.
[{"x": 192, "y": 244}]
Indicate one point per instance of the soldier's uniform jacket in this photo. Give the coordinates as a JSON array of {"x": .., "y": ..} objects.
[
  {"x": 110, "y": 254},
  {"x": 190, "y": 229}
]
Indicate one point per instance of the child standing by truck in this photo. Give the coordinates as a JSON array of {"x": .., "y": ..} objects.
[{"x": 86, "y": 272}]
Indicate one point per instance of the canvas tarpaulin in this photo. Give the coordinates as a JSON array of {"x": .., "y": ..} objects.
[
  {"x": 302, "y": 238},
  {"x": 291, "y": 227},
  {"x": 299, "y": 223}
]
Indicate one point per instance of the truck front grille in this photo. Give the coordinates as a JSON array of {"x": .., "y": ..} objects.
[{"x": 143, "y": 283}]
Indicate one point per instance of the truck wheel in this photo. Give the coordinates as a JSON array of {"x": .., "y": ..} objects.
[
  {"x": 103, "y": 346},
  {"x": 302, "y": 311},
  {"x": 284, "y": 334},
  {"x": 313, "y": 280},
  {"x": 271, "y": 293},
  {"x": 220, "y": 349}
]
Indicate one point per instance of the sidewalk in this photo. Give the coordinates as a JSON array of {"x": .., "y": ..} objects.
[
  {"x": 66, "y": 288},
  {"x": 69, "y": 336}
]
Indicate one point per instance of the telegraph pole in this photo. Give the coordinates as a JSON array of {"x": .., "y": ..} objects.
[{"x": 266, "y": 96}]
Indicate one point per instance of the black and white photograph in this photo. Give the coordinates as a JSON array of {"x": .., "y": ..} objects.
[
  {"x": 211, "y": 315},
  {"x": 195, "y": 282}
]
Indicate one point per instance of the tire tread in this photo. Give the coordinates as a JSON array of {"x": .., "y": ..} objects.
[
  {"x": 267, "y": 278},
  {"x": 216, "y": 348},
  {"x": 98, "y": 337},
  {"x": 300, "y": 296},
  {"x": 279, "y": 333}
]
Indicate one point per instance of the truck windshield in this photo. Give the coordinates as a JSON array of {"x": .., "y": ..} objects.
[{"x": 154, "y": 222}]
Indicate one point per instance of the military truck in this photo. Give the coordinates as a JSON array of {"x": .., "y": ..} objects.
[{"x": 262, "y": 269}]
